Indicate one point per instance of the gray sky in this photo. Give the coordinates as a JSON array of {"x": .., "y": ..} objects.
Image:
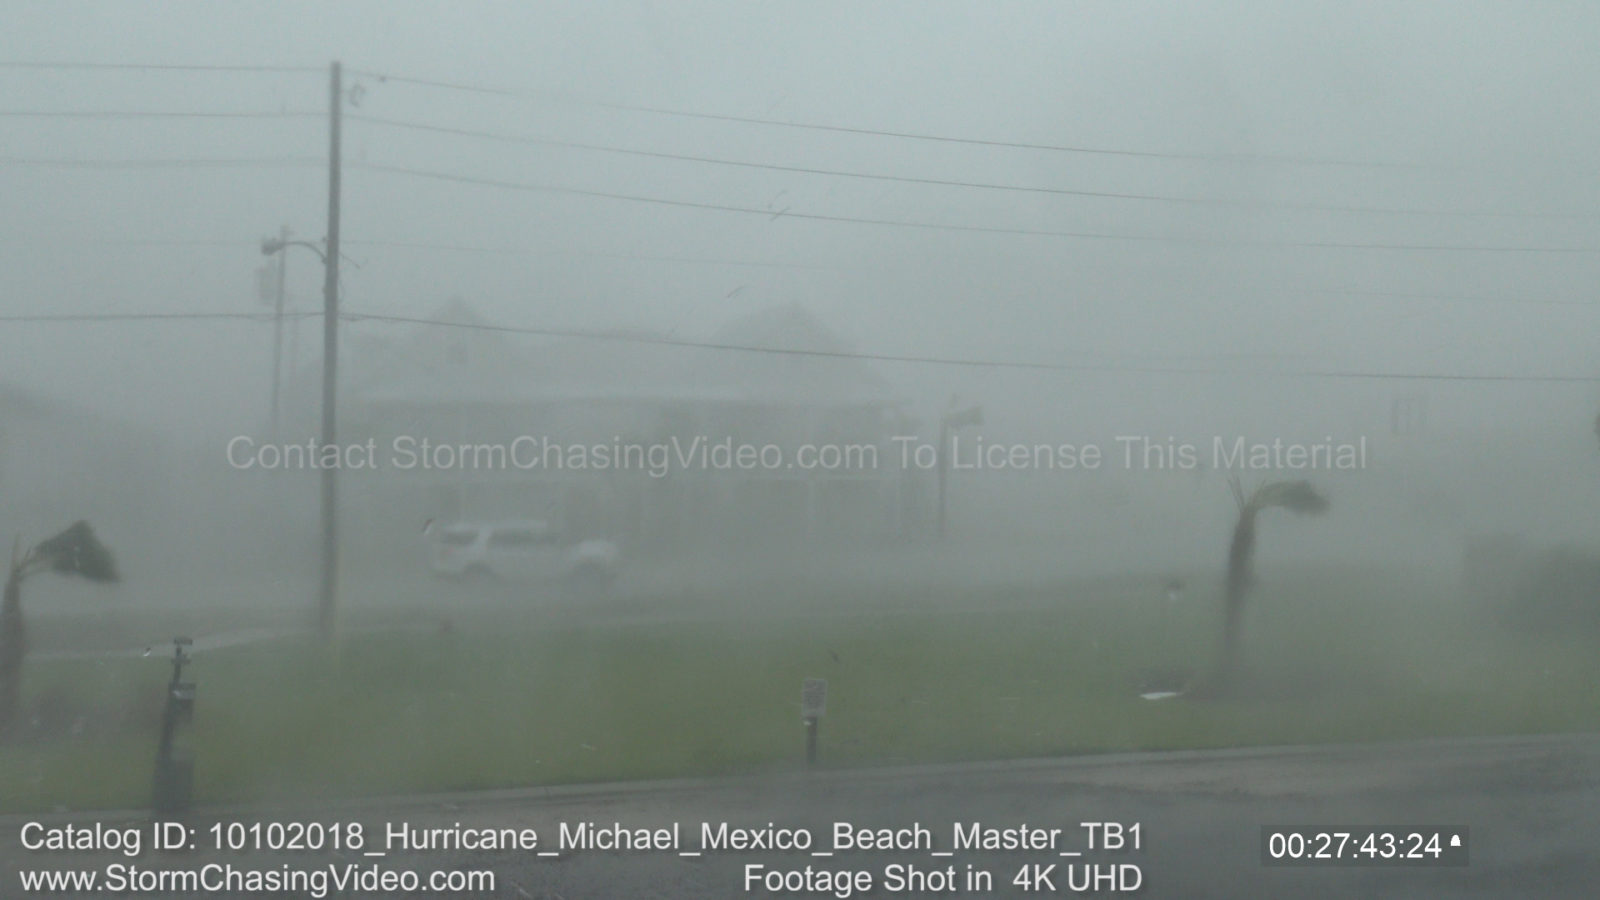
[{"x": 1450, "y": 107}]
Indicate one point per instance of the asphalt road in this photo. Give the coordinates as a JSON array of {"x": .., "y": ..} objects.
[{"x": 1529, "y": 809}]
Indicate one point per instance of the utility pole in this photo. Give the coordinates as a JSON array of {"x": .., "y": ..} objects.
[
  {"x": 328, "y": 597},
  {"x": 948, "y": 424},
  {"x": 277, "y": 328}
]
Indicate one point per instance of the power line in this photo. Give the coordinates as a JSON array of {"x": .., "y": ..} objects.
[
  {"x": 253, "y": 244},
  {"x": 151, "y": 67},
  {"x": 936, "y": 226},
  {"x": 171, "y": 163},
  {"x": 821, "y": 354},
  {"x": 943, "y": 182},
  {"x": 634, "y": 257},
  {"x": 1019, "y": 145},
  {"x": 1348, "y": 374},
  {"x": 446, "y": 85},
  {"x": 1455, "y": 298},
  {"x": 146, "y": 316},
  {"x": 152, "y": 114},
  {"x": 842, "y": 129}
]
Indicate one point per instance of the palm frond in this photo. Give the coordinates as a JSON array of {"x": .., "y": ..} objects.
[
  {"x": 1295, "y": 496},
  {"x": 77, "y": 551},
  {"x": 1237, "y": 489}
]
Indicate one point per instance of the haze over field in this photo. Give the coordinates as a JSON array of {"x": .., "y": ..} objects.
[
  {"x": 1105, "y": 411},
  {"x": 1103, "y": 224}
]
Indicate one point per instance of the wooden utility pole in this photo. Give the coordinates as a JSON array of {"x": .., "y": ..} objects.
[{"x": 328, "y": 596}]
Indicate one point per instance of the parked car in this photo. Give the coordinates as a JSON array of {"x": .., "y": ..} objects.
[{"x": 526, "y": 550}]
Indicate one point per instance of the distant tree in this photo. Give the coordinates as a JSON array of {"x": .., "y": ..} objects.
[
  {"x": 75, "y": 551},
  {"x": 1295, "y": 496}
]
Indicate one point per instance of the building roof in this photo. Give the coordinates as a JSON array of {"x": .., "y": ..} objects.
[
  {"x": 794, "y": 358},
  {"x": 466, "y": 361},
  {"x": 781, "y": 355}
]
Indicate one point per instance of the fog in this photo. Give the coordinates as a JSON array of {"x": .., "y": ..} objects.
[
  {"x": 1168, "y": 223},
  {"x": 1146, "y": 254}
]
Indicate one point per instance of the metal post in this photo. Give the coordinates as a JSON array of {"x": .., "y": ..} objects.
[
  {"x": 173, "y": 787},
  {"x": 328, "y": 597},
  {"x": 949, "y": 423},
  {"x": 169, "y": 717},
  {"x": 277, "y": 326},
  {"x": 813, "y": 704},
  {"x": 944, "y": 438}
]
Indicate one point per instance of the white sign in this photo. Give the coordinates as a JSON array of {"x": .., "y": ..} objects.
[{"x": 813, "y": 698}]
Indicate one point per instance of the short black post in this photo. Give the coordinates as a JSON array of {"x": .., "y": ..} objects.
[
  {"x": 174, "y": 776},
  {"x": 813, "y": 705}
]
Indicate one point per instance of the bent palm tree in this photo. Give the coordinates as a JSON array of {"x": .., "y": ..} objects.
[
  {"x": 75, "y": 551},
  {"x": 1295, "y": 496}
]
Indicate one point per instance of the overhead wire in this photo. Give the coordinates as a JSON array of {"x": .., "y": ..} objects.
[
  {"x": 524, "y": 140},
  {"x": 661, "y": 340},
  {"x": 151, "y": 67},
  {"x": 163, "y": 163},
  {"x": 487, "y": 182},
  {"x": 941, "y": 226},
  {"x": 384, "y": 77},
  {"x": 150, "y": 316},
  {"x": 155, "y": 114}
]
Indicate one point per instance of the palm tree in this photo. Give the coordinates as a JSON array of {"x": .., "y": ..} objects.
[
  {"x": 1295, "y": 496},
  {"x": 75, "y": 551}
]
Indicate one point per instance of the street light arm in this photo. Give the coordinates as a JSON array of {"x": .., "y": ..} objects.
[{"x": 270, "y": 246}]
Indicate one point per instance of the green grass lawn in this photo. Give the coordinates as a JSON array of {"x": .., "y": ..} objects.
[{"x": 516, "y": 698}]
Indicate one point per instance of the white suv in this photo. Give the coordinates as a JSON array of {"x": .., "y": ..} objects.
[{"x": 521, "y": 550}]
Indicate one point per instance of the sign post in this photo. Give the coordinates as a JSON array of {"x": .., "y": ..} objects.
[{"x": 813, "y": 703}]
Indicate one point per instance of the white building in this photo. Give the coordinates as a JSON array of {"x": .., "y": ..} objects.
[{"x": 627, "y": 434}]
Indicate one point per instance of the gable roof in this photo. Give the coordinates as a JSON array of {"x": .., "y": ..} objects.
[
  {"x": 466, "y": 360},
  {"x": 794, "y": 358}
]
